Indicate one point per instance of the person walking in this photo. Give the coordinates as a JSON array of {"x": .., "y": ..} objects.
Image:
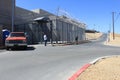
[
  {"x": 45, "y": 39},
  {"x": 76, "y": 40}
]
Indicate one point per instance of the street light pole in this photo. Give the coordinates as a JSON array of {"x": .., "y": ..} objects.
[{"x": 13, "y": 13}]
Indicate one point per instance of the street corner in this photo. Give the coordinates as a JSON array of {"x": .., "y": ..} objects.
[
  {"x": 84, "y": 67},
  {"x": 77, "y": 74}
]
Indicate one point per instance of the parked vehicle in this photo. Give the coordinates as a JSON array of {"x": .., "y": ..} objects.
[{"x": 15, "y": 40}]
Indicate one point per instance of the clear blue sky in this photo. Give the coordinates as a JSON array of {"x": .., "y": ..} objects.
[{"x": 97, "y": 14}]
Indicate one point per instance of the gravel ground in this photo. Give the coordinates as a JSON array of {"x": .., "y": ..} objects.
[{"x": 104, "y": 69}]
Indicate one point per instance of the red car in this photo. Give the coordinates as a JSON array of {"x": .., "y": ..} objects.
[{"x": 16, "y": 39}]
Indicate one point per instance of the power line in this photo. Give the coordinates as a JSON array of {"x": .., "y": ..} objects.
[{"x": 117, "y": 17}]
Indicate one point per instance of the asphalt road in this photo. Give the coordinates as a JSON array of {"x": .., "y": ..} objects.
[{"x": 51, "y": 63}]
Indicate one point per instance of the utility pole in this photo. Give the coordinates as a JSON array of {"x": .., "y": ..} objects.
[
  {"x": 13, "y": 14},
  {"x": 113, "y": 25}
]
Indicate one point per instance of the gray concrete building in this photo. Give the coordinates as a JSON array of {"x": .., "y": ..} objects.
[
  {"x": 5, "y": 15},
  {"x": 38, "y": 22},
  {"x": 25, "y": 21},
  {"x": 58, "y": 28},
  {"x": 66, "y": 29}
]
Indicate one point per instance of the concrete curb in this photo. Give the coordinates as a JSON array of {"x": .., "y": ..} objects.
[
  {"x": 71, "y": 43},
  {"x": 76, "y": 75},
  {"x": 79, "y": 72}
]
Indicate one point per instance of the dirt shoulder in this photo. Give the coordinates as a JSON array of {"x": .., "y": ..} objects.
[
  {"x": 105, "y": 69},
  {"x": 113, "y": 41}
]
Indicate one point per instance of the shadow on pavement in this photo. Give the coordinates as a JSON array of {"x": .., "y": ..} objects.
[{"x": 29, "y": 48}]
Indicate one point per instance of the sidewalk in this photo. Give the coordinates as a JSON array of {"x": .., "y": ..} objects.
[{"x": 113, "y": 42}]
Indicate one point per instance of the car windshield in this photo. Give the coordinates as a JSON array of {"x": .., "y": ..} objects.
[{"x": 17, "y": 35}]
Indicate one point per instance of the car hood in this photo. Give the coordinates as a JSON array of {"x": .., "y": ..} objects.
[{"x": 16, "y": 38}]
